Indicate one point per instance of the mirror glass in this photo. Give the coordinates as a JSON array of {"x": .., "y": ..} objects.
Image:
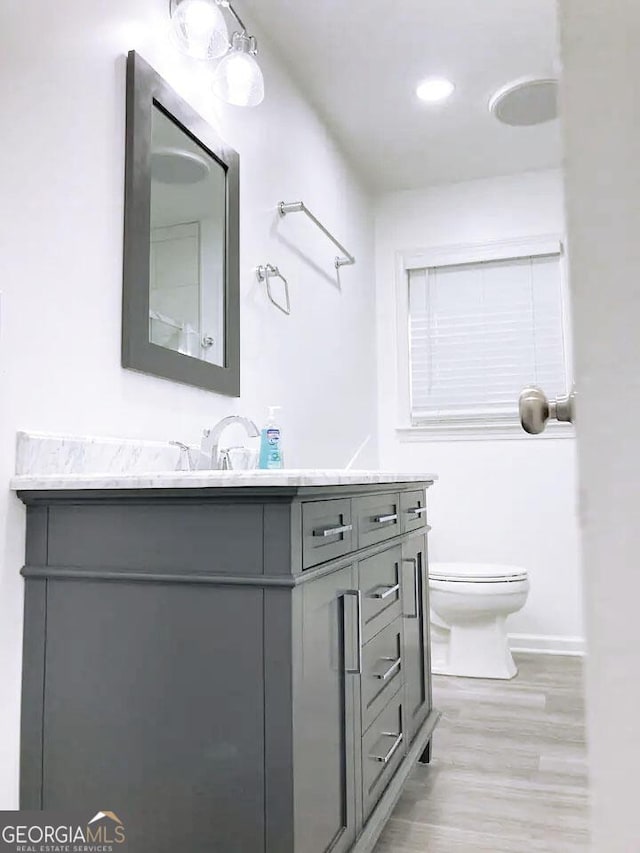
[{"x": 187, "y": 244}]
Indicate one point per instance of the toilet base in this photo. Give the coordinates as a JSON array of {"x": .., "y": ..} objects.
[{"x": 477, "y": 649}]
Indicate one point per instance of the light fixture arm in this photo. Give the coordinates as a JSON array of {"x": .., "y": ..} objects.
[{"x": 225, "y": 5}]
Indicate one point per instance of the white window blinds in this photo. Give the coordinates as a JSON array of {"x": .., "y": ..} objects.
[{"x": 480, "y": 332}]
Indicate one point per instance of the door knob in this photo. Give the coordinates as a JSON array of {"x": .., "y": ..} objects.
[{"x": 535, "y": 409}]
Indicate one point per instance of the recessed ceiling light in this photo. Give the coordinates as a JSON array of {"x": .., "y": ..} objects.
[{"x": 435, "y": 89}]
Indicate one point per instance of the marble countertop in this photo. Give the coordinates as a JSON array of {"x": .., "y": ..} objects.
[
  {"x": 62, "y": 462},
  {"x": 212, "y": 479}
]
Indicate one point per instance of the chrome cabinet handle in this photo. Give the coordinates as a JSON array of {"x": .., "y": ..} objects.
[
  {"x": 390, "y": 590},
  {"x": 417, "y": 510},
  {"x": 395, "y": 666},
  {"x": 535, "y": 409},
  {"x": 333, "y": 531},
  {"x": 385, "y": 519},
  {"x": 357, "y": 594},
  {"x": 385, "y": 759},
  {"x": 414, "y": 561}
]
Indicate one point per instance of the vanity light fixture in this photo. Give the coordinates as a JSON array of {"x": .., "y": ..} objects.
[
  {"x": 435, "y": 89},
  {"x": 238, "y": 78},
  {"x": 199, "y": 30}
]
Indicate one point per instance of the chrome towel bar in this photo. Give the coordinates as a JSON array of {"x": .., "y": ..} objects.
[{"x": 300, "y": 207}]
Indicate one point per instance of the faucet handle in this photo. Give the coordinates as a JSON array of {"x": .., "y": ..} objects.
[
  {"x": 252, "y": 429},
  {"x": 238, "y": 458},
  {"x": 184, "y": 462}
]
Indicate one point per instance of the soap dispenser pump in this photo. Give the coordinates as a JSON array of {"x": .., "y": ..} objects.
[{"x": 271, "y": 457}]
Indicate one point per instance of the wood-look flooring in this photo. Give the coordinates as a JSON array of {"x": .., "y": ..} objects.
[{"x": 509, "y": 769}]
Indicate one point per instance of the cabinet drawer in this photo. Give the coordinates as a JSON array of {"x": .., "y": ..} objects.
[
  {"x": 377, "y": 517},
  {"x": 383, "y": 747},
  {"x": 379, "y": 582},
  {"x": 381, "y": 671},
  {"x": 327, "y": 531},
  {"x": 413, "y": 510}
]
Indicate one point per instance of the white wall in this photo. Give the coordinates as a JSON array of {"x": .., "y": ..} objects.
[
  {"x": 62, "y": 77},
  {"x": 601, "y": 69},
  {"x": 509, "y": 501}
]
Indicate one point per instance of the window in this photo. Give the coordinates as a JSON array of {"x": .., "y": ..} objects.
[{"x": 480, "y": 331}]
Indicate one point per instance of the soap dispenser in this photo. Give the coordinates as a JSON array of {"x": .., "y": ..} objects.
[{"x": 271, "y": 443}]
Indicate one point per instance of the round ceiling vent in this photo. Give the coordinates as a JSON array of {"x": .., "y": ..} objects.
[
  {"x": 525, "y": 102},
  {"x": 175, "y": 166}
]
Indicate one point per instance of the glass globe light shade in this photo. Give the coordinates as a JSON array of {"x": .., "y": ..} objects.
[
  {"x": 238, "y": 78},
  {"x": 198, "y": 29}
]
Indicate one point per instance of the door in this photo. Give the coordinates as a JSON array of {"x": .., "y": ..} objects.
[
  {"x": 327, "y": 659},
  {"x": 601, "y": 63},
  {"x": 175, "y": 284},
  {"x": 417, "y": 646}
]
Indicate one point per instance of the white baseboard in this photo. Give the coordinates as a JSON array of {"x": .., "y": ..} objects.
[{"x": 544, "y": 644}]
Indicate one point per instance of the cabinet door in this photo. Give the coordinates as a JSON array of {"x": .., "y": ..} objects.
[
  {"x": 154, "y": 702},
  {"x": 325, "y": 651},
  {"x": 417, "y": 641}
]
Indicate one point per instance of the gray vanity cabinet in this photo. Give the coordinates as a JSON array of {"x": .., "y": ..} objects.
[{"x": 231, "y": 670}]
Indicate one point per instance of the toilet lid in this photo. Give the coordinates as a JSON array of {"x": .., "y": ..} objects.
[{"x": 476, "y": 572}]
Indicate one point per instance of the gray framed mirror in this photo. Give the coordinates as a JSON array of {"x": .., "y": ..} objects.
[{"x": 181, "y": 293}]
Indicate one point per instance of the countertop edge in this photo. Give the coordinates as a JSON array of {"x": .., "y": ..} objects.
[{"x": 209, "y": 481}]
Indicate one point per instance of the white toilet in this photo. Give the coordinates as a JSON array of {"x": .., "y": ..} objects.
[{"x": 470, "y": 603}]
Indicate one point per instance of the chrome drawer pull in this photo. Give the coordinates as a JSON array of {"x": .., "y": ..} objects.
[
  {"x": 385, "y": 519},
  {"x": 418, "y": 510},
  {"x": 357, "y": 594},
  {"x": 385, "y": 759},
  {"x": 333, "y": 531},
  {"x": 416, "y": 586},
  {"x": 390, "y": 590},
  {"x": 395, "y": 666}
]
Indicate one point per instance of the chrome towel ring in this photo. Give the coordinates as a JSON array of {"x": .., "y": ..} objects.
[{"x": 265, "y": 273}]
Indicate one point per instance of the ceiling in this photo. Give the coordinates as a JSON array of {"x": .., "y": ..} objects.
[{"x": 359, "y": 62}]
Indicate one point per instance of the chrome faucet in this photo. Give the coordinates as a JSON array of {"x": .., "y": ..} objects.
[{"x": 210, "y": 457}]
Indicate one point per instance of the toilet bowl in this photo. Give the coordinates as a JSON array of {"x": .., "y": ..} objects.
[{"x": 470, "y": 603}]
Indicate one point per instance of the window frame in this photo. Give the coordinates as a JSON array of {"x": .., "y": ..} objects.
[{"x": 487, "y": 427}]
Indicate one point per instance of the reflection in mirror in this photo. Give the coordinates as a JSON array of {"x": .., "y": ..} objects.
[{"x": 187, "y": 244}]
